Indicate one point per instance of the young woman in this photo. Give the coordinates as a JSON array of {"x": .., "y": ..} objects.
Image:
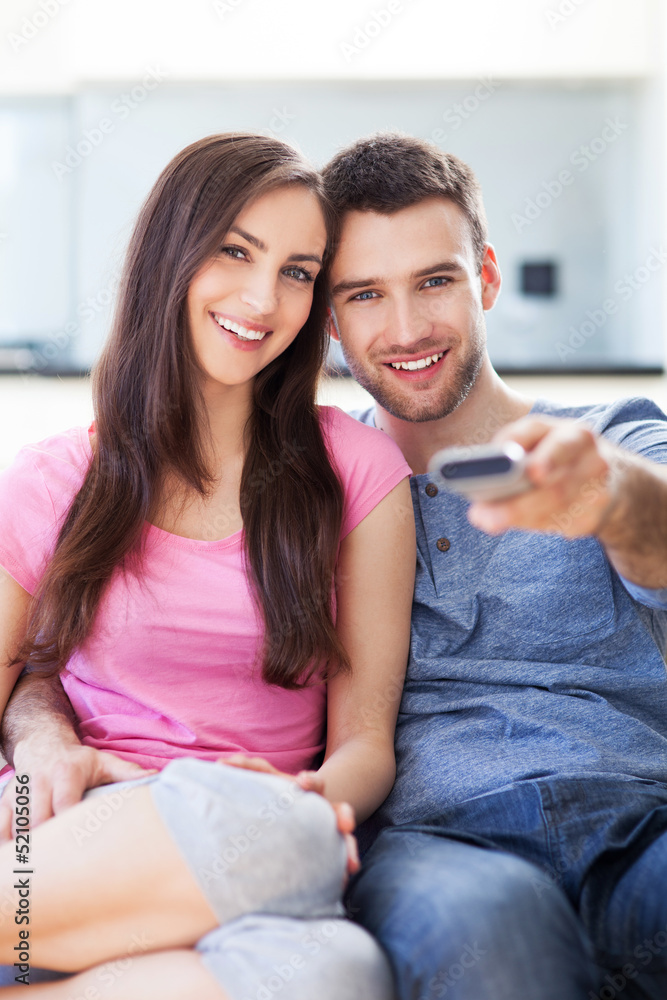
[{"x": 216, "y": 566}]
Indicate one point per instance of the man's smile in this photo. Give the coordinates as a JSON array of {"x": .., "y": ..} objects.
[{"x": 417, "y": 369}]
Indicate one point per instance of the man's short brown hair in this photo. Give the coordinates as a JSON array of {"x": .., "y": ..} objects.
[{"x": 388, "y": 171}]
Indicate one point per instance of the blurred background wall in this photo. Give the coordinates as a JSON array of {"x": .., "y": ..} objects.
[{"x": 559, "y": 105}]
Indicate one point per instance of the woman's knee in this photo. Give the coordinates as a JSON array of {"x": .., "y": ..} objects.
[
  {"x": 254, "y": 841},
  {"x": 262, "y": 957},
  {"x": 310, "y": 850}
]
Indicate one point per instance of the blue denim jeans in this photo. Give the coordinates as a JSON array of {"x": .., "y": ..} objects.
[{"x": 553, "y": 889}]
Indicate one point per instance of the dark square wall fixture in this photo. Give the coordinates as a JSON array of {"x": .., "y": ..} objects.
[{"x": 539, "y": 278}]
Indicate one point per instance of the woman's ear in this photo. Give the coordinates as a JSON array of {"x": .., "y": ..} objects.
[{"x": 332, "y": 324}]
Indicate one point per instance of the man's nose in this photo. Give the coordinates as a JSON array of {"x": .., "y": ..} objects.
[{"x": 407, "y": 324}]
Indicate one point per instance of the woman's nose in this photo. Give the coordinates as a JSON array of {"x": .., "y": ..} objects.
[{"x": 260, "y": 296}]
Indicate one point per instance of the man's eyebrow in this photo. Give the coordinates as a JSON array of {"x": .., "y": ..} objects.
[
  {"x": 263, "y": 247},
  {"x": 445, "y": 265},
  {"x": 348, "y": 286}
]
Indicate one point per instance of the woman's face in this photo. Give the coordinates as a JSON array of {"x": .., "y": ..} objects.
[{"x": 247, "y": 304}]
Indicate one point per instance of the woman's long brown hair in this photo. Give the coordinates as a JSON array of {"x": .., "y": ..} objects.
[{"x": 150, "y": 421}]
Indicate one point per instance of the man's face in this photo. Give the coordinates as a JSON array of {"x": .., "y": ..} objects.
[{"x": 409, "y": 302}]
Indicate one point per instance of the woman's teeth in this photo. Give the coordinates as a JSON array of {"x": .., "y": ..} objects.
[
  {"x": 241, "y": 332},
  {"x": 411, "y": 366}
]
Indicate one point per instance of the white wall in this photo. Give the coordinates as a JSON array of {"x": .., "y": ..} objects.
[
  {"x": 58, "y": 47},
  {"x": 517, "y": 138},
  {"x": 73, "y": 42}
]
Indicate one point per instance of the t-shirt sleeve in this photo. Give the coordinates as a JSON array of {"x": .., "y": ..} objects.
[
  {"x": 28, "y": 520},
  {"x": 654, "y": 599},
  {"x": 640, "y": 426},
  {"x": 368, "y": 462}
]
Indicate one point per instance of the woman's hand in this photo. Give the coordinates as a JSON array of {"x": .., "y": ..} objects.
[{"x": 310, "y": 781}]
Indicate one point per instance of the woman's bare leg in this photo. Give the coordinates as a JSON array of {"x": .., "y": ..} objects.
[
  {"x": 123, "y": 888},
  {"x": 168, "y": 975}
]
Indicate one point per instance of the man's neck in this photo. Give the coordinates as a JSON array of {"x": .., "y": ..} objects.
[{"x": 489, "y": 405}]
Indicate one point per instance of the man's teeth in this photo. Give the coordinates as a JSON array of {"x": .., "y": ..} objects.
[
  {"x": 241, "y": 332},
  {"x": 411, "y": 366}
]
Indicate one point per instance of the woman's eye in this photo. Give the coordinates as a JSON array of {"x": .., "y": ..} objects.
[
  {"x": 439, "y": 282},
  {"x": 235, "y": 252},
  {"x": 363, "y": 297},
  {"x": 299, "y": 273}
]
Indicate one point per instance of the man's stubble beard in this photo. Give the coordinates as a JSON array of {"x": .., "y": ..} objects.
[{"x": 405, "y": 404}]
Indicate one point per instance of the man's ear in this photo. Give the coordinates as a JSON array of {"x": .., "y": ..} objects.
[
  {"x": 490, "y": 277},
  {"x": 332, "y": 324}
]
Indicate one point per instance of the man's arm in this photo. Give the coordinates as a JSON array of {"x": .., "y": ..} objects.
[
  {"x": 634, "y": 531},
  {"x": 35, "y": 698},
  {"x": 38, "y": 737},
  {"x": 586, "y": 486}
]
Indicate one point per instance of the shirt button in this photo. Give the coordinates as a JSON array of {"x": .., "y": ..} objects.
[
  {"x": 443, "y": 544},
  {"x": 431, "y": 490}
]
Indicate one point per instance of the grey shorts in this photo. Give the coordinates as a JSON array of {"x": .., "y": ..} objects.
[
  {"x": 271, "y": 863},
  {"x": 263, "y": 957},
  {"x": 256, "y": 843}
]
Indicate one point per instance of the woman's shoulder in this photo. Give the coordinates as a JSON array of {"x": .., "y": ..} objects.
[
  {"x": 58, "y": 461},
  {"x": 369, "y": 463},
  {"x": 35, "y": 493}
]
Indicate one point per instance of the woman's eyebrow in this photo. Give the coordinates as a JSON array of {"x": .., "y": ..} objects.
[
  {"x": 251, "y": 239},
  {"x": 254, "y": 241},
  {"x": 306, "y": 256}
]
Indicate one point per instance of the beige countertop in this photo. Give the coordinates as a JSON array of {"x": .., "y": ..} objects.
[{"x": 32, "y": 407}]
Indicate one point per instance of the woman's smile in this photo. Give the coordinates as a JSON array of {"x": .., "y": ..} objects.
[
  {"x": 243, "y": 329},
  {"x": 243, "y": 338}
]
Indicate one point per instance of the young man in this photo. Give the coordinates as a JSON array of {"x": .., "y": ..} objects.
[
  {"x": 523, "y": 850},
  {"x": 524, "y": 843}
]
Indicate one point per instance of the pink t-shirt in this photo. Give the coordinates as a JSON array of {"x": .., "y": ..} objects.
[{"x": 172, "y": 667}]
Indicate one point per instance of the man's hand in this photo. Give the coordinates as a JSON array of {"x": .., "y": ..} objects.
[
  {"x": 310, "y": 781},
  {"x": 60, "y": 772},
  {"x": 571, "y": 469}
]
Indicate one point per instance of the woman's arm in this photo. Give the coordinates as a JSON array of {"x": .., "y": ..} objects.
[
  {"x": 14, "y": 603},
  {"x": 375, "y": 583},
  {"x": 40, "y": 739}
]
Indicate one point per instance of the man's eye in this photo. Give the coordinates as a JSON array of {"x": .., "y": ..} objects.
[
  {"x": 439, "y": 282},
  {"x": 363, "y": 296}
]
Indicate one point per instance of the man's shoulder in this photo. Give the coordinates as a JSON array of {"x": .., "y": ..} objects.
[
  {"x": 634, "y": 423},
  {"x": 364, "y": 416},
  {"x": 630, "y": 409},
  {"x": 603, "y": 416}
]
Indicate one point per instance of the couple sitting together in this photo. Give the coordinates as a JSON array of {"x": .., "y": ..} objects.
[{"x": 213, "y": 591}]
